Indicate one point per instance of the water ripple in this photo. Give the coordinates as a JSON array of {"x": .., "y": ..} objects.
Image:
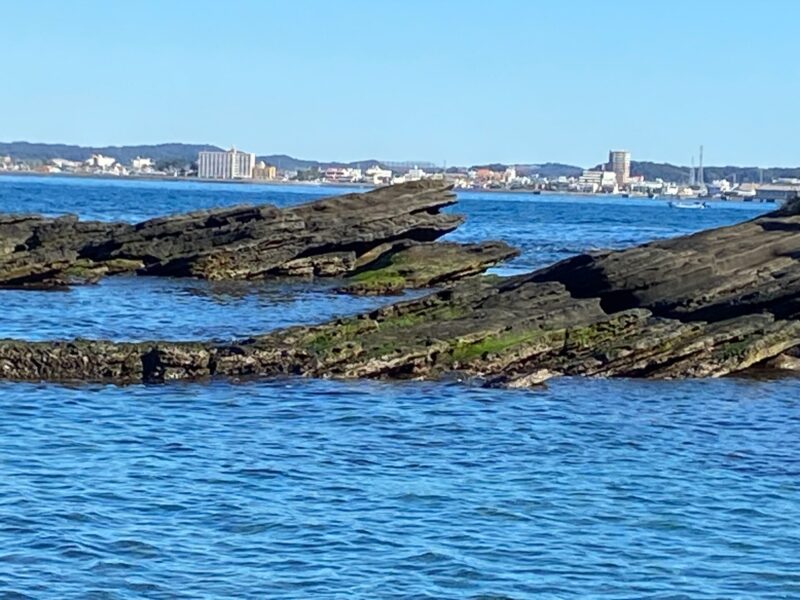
[
  {"x": 298, "y": 489},
  {"x": 291, "y": 489}
]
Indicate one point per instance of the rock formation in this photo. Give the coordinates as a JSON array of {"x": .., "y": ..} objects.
[
  {"x": 708, "y": 304},
  {"x": 426, "y": 265},
  {"x": 330, "y": 237}
]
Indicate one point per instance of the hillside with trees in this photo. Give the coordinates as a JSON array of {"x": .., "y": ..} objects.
[{"x": 652, "y": 171}]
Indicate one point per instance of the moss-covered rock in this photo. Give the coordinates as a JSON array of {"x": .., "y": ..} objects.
[{"x": 425, "y": 265}]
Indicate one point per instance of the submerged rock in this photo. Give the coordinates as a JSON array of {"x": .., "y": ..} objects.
[{"x": 704, "y": 305}]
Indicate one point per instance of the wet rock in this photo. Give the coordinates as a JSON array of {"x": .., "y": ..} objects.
[
  {"x": 706, "y": 305},
  {"x": 331, "y": 237},
  {"x": 78, "y": 360}
]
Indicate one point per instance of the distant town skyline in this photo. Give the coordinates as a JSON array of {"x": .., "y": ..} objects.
[
  {"x": 447, "y": 82},
  {"x": 173, "y": 150}
]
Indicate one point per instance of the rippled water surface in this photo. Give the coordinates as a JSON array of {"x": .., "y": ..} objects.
[{"x": 305, "y": 488}]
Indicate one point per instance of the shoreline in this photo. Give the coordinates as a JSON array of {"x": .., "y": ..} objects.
[{"x": 364, "y": 186}]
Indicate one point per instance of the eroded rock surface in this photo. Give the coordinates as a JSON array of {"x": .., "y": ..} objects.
[
  {"x": 412, "y": 265},
  {"x": 326, "y": 238},
  {"x": 709, "y": 304},
  {"x": 38, "y": 252}
]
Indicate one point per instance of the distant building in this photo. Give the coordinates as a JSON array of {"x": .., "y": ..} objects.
[
  {"x": 119, "y": 169},
  {"x": 230, "y": 164},
  {"x": 745, "y": 190},
  {"x": 63, "y": 163},
  {"x": 483, "y": 175},
  {"x": 597, "y": 181},
  {"x": 342, "y": 175},
  {"x": 378, "y": 176},
  {"x": 263, "y": 171},
  {"x": 619, "y": 161},
  {"x": 777, "y": 192},
  {"x": 101, "y": 162},
  {"x": 142, "y": 164},
  {"x": 415, "y": 174},
  {"x": 718, "y": 187},
  {"x": 5, "y": 162}
]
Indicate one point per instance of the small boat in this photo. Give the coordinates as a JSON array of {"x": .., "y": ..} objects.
[{"x": 695, "y": 204}]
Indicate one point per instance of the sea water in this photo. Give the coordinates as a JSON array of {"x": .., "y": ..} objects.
[{"x": 297, "y": 488}]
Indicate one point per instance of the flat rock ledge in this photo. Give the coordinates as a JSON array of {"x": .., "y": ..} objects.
[
  {"x": 705, "y": 305},
  {"x": 332, "y": 237},
  {"x": 415, "y": 265}
]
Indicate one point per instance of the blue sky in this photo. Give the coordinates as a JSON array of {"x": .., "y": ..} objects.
[{"x": 462, "y": 82}]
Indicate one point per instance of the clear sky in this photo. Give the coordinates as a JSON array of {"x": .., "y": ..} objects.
[{"x": 458, "y": 81}]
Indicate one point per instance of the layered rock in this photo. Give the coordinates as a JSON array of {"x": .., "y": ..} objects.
[
  {"x": 413, "y": 265},
  {"x": 709, "y": 305},
  {"x": 716, "y": 274},
  {"x": 329, "y": 237},
  {"x": 37, "y": 251}
]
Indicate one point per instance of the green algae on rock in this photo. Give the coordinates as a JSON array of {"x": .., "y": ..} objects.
[{"x": 426, "y": 265}]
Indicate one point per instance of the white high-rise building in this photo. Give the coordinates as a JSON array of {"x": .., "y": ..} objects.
[{"x": 231, "y": 164}]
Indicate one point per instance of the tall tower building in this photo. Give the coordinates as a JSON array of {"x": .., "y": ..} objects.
[{"x": 619, "y": 161}]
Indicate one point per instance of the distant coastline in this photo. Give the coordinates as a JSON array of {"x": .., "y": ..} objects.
[
  {"x": 176, "y": 178},
  {"x": 650, "y": 170},
  {"x": 333, "y": 185}
]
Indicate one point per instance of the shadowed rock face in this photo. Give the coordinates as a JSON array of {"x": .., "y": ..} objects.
[
  {"x": 708, "y": 304},
  {"x": 328, "y": 237}
]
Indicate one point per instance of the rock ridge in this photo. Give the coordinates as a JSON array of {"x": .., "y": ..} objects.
[
  {"x": 324, "y": 238},
  {"x": 710, "y": 304}
]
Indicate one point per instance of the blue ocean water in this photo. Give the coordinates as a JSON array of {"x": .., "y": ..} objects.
[{"x": 322, "y": 489}]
